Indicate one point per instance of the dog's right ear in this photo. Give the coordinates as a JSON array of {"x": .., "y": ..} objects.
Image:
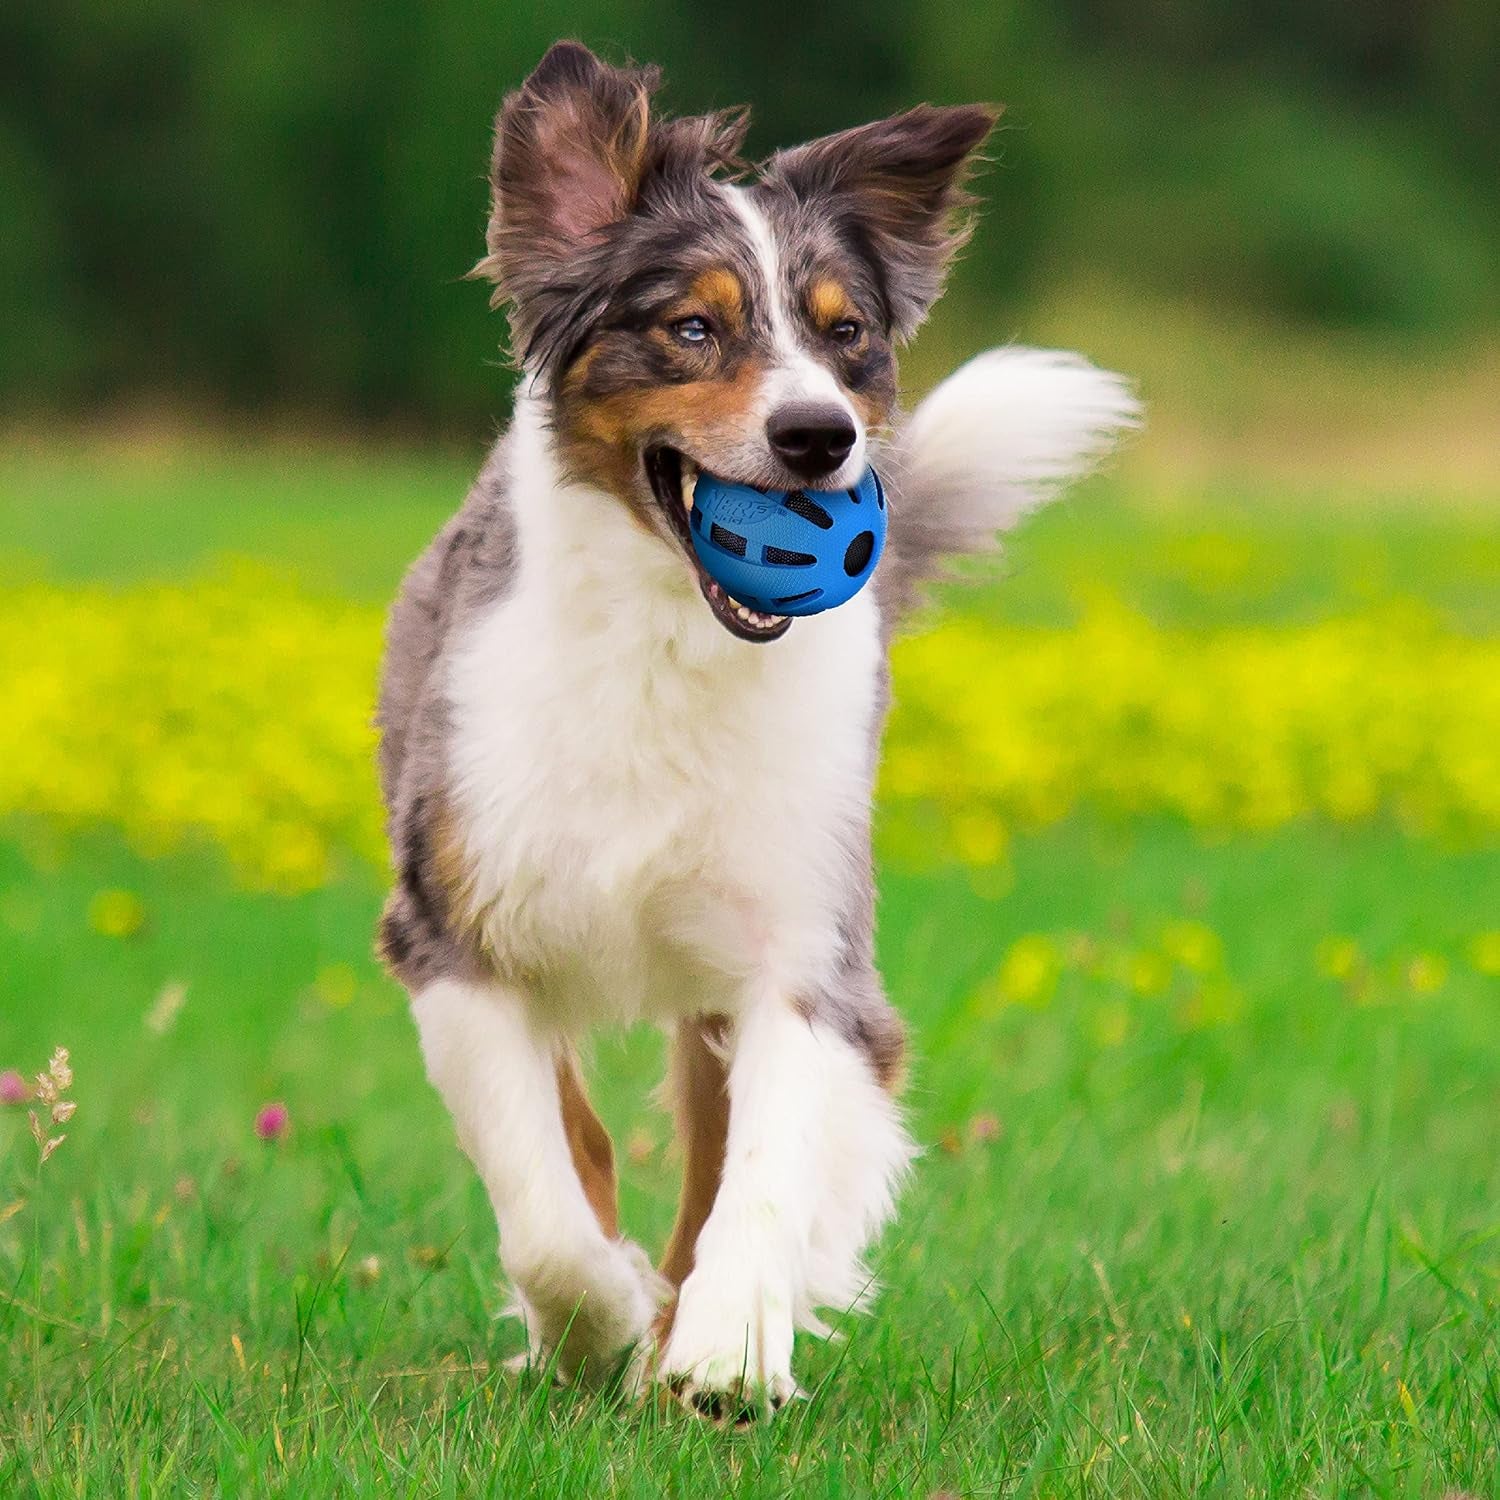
[
  {"x": 570, "y": 151},
  {"x": 578, "y": 150}
]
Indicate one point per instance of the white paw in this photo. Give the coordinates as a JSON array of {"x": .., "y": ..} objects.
[
  {"x": 729, "y": 1355},
  {"x": 587, "y": 1308}
]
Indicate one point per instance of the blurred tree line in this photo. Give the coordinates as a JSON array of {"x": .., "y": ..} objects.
[{"x": 269, "y": 204}]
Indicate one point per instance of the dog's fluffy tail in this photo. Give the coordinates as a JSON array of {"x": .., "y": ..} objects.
[{"x": 998, "y": 438}]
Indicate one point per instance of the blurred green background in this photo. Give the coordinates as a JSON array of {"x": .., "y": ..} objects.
[{"x": 265, "y": 208}]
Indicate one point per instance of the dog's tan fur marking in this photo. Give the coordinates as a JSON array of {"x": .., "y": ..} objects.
[
  {"x": 723, "y": 297},
  {"x": 874, "y": 411},
  {"x": 829, "y": 302},
  {"x": 451, "y": 866},
  {"x": 699, "y": 1084},
  {"x": 888, "y": 1061},
  {"x": 605, "y": 435},
  {"x": 588, "y": 1142}
]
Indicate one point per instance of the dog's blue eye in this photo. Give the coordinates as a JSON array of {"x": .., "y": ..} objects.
[
  {"x": 845, "y": 331},
  {"x": 691, "y": 330}
]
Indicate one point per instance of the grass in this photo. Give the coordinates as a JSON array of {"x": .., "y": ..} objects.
[
  {"x": 1204, "y": 1214},
  {"x": 348, "y": 522}
]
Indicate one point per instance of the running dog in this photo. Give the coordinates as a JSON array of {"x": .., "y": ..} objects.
[{"x": 615, "y": 792}]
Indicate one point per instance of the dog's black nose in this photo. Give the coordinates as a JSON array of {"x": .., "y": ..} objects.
[{"x": 811, "y": 438}]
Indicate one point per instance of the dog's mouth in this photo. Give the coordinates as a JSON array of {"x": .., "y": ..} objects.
[{"x": 673, "y": 476}]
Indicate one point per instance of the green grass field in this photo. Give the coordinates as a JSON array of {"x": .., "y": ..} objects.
[{"x": 1210, "y": 1199}]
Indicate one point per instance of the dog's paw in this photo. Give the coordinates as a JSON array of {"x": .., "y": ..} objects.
[
  {"x": 728, "y": 1359},
  {"x": 583, "y": 1313},
  {"x": 733, "y": 1401}
]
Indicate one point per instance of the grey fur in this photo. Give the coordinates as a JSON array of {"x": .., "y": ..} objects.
[
  {"x": 471, "y": 563},
  {"x": 854, "y": 1001},
  {"x": 916, "y": 546}
]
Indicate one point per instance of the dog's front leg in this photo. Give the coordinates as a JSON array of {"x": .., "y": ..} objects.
[
  {"x": 729, "y": 1350},
  {"x": 583, "y": 1293}
]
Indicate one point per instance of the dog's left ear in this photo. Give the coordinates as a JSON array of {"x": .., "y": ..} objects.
[{"x": 898, "y": 185}]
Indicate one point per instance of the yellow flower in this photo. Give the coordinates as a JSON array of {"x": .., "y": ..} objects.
[
  {"x": 236, "y": 712},
  {"x": 335, "y": 985},
  {"x": 117, "y": 914},
  {"x": 1484, "y": 953},
  {"x": 1150, "y": 973},
  {"x": 1404, "y": 1396},
  {"x": 979, "y": 837},
  {"x": 1193, "y": 946},
  {"x": 1427, "y": 973},
  {"x": 1338, "y": 957},
  {"x": 1028, "y": 975},
  {"x": 1382, "y": 714}
]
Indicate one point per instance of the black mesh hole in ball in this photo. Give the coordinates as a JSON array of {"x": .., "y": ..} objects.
[
  {"x": 798, "y": 598},
  {"x": 784, "y": 559},
  {"x": 809, "y": 510},
  {"x": 857, "y": 557},
  {"x": 730, "y": 541}
]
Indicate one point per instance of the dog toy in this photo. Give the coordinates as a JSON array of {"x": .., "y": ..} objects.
[{"x": 789, "y": 552}]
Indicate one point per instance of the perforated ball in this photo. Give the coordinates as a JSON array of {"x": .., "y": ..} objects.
[{"x": 789, "y": 552}]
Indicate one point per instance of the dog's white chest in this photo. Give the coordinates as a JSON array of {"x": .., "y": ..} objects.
[{"x": 656, "y": 820}]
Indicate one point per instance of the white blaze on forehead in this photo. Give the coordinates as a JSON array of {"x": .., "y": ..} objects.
[
  {"x": 795, "y": 375},
  {"x": 768, "y": 257}
]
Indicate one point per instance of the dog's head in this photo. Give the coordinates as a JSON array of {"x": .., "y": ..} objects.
[{"x": 680, "y": 321}]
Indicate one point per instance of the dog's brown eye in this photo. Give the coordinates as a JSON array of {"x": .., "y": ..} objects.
[
  {"x": 846, "y": 331},
  {"x": 692, "y": 330}
]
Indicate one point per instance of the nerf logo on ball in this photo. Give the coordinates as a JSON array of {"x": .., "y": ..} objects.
[
  {"x": 737, "y": 511},
  {"x": 789, "y": 552}
]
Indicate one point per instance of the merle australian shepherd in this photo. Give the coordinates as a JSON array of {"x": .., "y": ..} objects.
[{"x": 615, "y": 792}]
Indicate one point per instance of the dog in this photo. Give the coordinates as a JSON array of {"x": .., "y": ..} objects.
[{"x": 614, "y": 792}]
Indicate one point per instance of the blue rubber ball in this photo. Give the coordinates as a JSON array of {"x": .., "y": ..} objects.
[{"x": 789, "y": 552}]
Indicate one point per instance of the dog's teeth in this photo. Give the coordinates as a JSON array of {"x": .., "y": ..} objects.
[{"x": 742, "y": 612}]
